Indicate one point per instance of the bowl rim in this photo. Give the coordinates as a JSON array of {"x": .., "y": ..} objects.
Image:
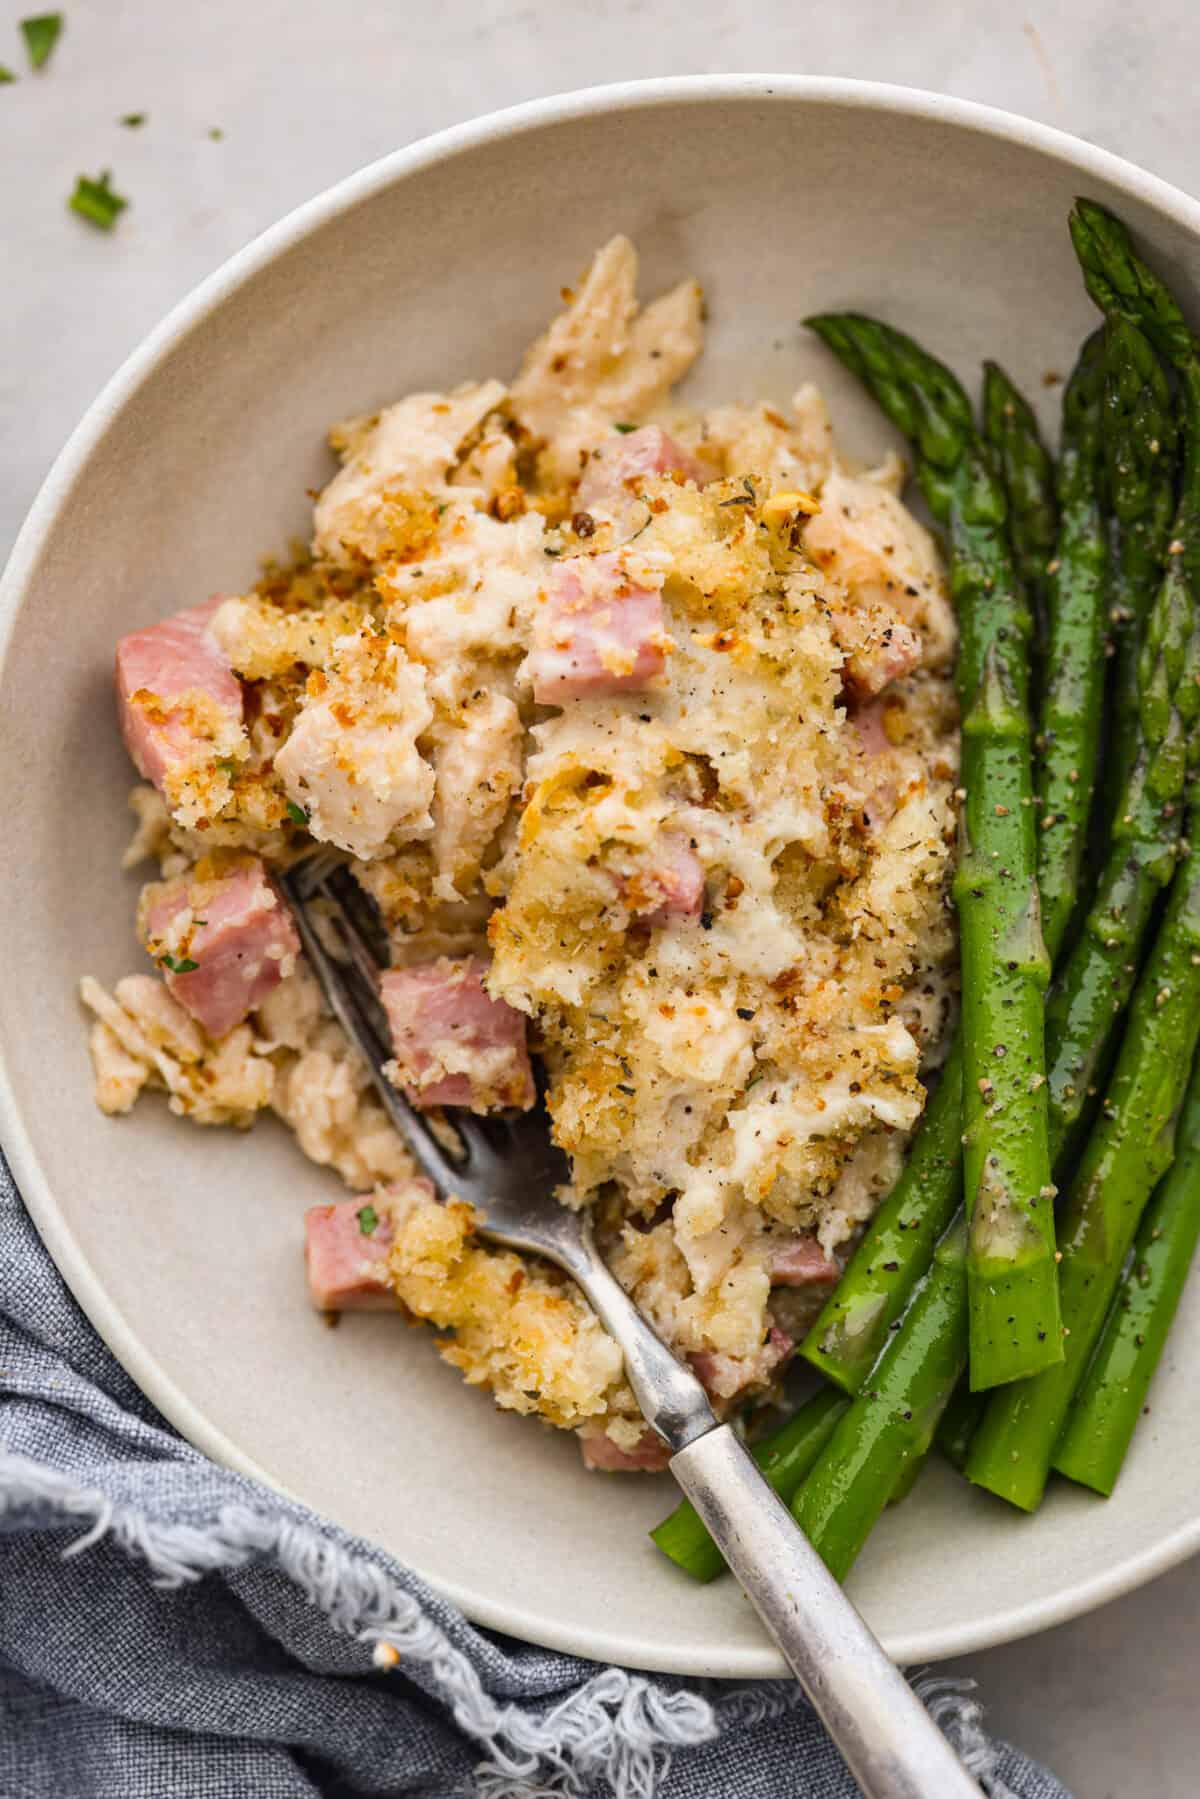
[{"x": 1021, "y": 1619}]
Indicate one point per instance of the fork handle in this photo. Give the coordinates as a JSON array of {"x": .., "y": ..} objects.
[
  {"x": 891, "y": 1744},
  {"x": 889, "y": 1741}
]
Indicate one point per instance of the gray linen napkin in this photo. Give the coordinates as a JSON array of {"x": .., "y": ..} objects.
[{"x": 169, "y": 1630}]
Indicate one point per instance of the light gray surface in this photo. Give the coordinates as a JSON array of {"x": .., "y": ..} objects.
[{"x": 304, "y": 95}]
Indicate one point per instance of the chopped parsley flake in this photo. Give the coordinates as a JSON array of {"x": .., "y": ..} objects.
[
  {"x": 133, "y": 119},
  {"x": 97, "y": 202},
  {"x": 179, "y": 964},
  {"x": 41, "y": 33},
  {"x": 6, "y": 74},
  {"x": 296, "y": 813},
  {"x": 624, "y": 429},
  {"x": 368, "y": 1218},
  {"x": 215, "y": 133}
]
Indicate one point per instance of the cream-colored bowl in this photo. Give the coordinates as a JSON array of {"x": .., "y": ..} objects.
[{"x": 440, "y": 262}]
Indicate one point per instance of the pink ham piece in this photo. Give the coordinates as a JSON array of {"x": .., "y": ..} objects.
[
  {"x": 620, "y": 465},
  {"x": 727, "y": 1376},
  {"x": 602, "y": 1455},
  {"x": 166, "y": 663},
  {"x": 869, "y": 727},
  {"x": 880, "y": 785},
  {"x": 598, "y": 632},
  {"x": 671, "y": 887},
  {"x": 454, "y": 1045},
  {"x": 803, "y": 1263},
  {"x": 236, "y": 930},
  {"x": 345, "y": 1252},
  {"x": 876, "y": 653}
]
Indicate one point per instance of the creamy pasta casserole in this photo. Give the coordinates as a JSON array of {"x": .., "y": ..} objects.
[{"x": 634, "y": 723}]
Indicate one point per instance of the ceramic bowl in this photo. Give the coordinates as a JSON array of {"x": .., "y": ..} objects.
[{"x": 183, "y": 1245}]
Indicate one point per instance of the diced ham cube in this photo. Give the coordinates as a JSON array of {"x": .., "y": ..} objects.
[
  {"x": 177, "y": 696},
  {"x": 454, "y": 1045},
  {"x": 618, "y": 467},
  {"x": 879, "y": 648},
  {"x": 600, "y": 1454},
  {"x": 726, "y": 1377},
  {"x": 599, "y": 630},
  {"x": 345, "y": 1251},
  {"x": 880, "y": 784},
  {"x": 232, "y": 927},
  {"x": 870, "y": 729},
  {"x": 803, "y": 1263},
  {"x": 671, "y": 886}
]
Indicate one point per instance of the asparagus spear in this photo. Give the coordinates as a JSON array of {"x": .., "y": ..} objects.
[
  {"x": 1124, "y": 286},
  {"x": 1027, "y": 472},
  {"x": 960, "y": 1420},
  {"x": 911, "y": 1469},
  {"x": 897, "y": 1246},
  {"x": 785, "y": 1458},
  {"x": 1013, "y": 1288},
  {"x": 1094, "y": 986},
  {"x": 1131, "y": 1146},
  {"x": 1139, "y": 440},
  {"x": 1109, "y": 1402},
  {"x": 889, "y": 1427},
  {"x": 1073, "y": 687}
]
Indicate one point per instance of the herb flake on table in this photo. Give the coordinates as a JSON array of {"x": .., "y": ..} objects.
[
  {"x": 6, "y": 74},
  {"x": 41, "y": 33},
  {"x": 96, "y": 201},
  {"x": 133, "y": 120}
]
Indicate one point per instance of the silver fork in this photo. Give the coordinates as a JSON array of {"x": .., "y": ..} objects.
[{"x": 508, "y": 1168}]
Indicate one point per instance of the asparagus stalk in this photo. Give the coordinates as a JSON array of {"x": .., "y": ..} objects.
[
  {"x": 1075, "y": 592},
  {"x": 898, "y": 1244},
  {"x": 888, "y": 1429},
  {"x": 1124, "y": 286},
  {"x": 1068, "y": 743},
  {"x": 1013, "y": 1287},
  {"x": 1094, "y": 986},
  {"x": 1027, "y": 472},
  {"x": 1109, "y": 1403},
  {"x": 785, "y": 1458},
  {"x": 1139, "y": 441},
  {"x": 960, "y": 1420},
  {"x": 1131, "y": 1146},
  {"x": 909, "y": 1472}
]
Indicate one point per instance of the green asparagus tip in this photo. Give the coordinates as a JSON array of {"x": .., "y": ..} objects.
[{"x": 1121, "y": 283}]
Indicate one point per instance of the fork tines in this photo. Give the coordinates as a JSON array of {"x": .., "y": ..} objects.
[{"x": 325, "y": 903}]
